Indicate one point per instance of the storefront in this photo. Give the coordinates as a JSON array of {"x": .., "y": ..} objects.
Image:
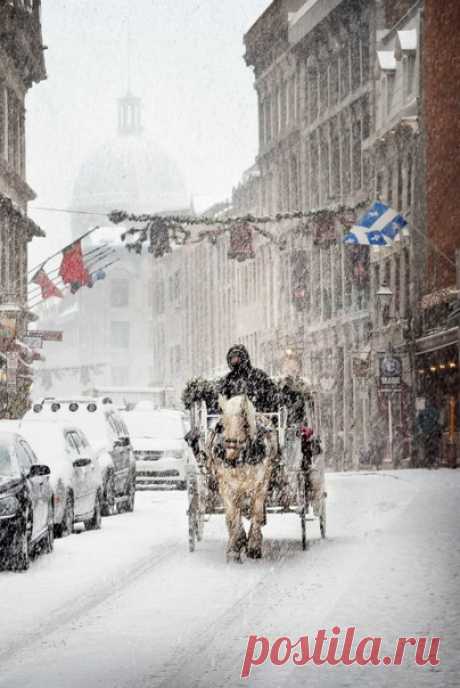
[{"x": 438, "y": 384}]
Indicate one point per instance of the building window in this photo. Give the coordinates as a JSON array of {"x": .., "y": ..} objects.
[
  {"x": 261, "y": 123},
  {"x": 160, "y": 298},
  {"x": 120, "y": 376},
  {"x": 323, "y": 87},
  {"x": 379, "y": 185},
  {"x": 345, "y": 73},
  {"x": 268, "y": 119},
  {"x": 314, "y": 171},
  {"x": 355, "y": 62},
  {"x": 333, "y": 81},
  {"x": 119, "y": 334},
  {"x": 390, "y": 88},
  {"x": 357, "y": 155},
  {"x": 397, "y": 286},
  {"x": 390, "y": 186},
  {"x": 3, "y": 122},
  {"x": 177, "y": 286},
  {"x": 325, "y": 167},
  {"x": 409, "y": 74},
  {"x": 346, "y": 160},
  {"x": 313, "y": 97},
  {"x": 409, "y": 181},
  {"x": 119, "y": 293},
  {"x": 364, "y": 45},
  {"x": 400, "y": 200},
  {"x": 283, "y": 105}
]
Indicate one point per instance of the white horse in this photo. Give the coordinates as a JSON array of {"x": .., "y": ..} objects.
[{"x": 241, "y": 458}]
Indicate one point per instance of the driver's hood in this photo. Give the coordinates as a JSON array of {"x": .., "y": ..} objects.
[{"x": 155, "y": 444}]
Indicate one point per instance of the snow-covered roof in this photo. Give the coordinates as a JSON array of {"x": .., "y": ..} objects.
[
  {"x": 407, "y": 40},
  {"x": 387, "y": 60}
]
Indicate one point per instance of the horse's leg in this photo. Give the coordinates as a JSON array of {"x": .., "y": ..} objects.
[
  {"x": 261, "y": 481},
  {"x": 236, "y": 533}
]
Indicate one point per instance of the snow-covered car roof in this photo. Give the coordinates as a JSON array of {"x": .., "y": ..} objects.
[
  {"x": 47, "y": 440},
  {"x": 90, "y": 414},
  {"x": 158, "y": 424}
]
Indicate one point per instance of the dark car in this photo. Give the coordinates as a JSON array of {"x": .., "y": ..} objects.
[{"x": 26, "y": 505}]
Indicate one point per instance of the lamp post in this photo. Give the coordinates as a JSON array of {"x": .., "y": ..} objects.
[{"x": 384, "y": 298}]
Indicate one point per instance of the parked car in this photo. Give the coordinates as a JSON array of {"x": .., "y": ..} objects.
[
  {"x": 26, "y": 505},
  {"x": 75, "y": 479},
  {"x": 159, "y": 446},
  {"x": 109, "y": 439}
]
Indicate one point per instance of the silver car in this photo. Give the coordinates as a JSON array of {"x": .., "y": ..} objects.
[{"x": 160, "y": 450}]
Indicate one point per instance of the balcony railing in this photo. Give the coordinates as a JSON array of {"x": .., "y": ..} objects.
[{"x": 27, "y": 5}]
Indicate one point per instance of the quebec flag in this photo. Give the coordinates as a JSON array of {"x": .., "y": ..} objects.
[{"x": 380, "y": 226}]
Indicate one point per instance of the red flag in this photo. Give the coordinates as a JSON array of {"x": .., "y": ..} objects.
[
  {"x": 72, "y": 268},
  {"x": 47, "y": 286}
]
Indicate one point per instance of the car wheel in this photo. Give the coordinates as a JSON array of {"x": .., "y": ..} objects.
[
  {"x": 48, "y": 540},
  {"x": 131, "y": 497},
  {"x": 20, "y": 547},
  {"x": 66, "y": 526},
  {"x": 95, "y": 522},
  {"x": 109, "y": 506}
]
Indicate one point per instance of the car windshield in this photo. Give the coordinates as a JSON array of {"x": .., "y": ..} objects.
[
  {"x": 6, "y": 465},
  {"x": 154, "y": 425}
]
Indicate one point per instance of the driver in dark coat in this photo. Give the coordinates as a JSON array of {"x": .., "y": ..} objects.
[{"x": 244, "y": 379}]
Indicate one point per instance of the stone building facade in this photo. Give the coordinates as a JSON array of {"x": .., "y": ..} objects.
[
  {"x": 21, "y": 65},
  {"x": 340, "y": 124}
]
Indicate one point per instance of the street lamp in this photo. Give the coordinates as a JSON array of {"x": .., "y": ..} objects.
[
  {"x": 384, "y": 298},
  {"x": 384, "y": 295}
]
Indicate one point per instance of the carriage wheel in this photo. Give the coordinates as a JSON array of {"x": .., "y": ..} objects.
[
  {"x": 322, "y": 518},
  {"x": 303, "y": 526},
  {"x": 302, "y": 503},
  {"x": 192, "y": 513},
  {"x": 191, "y": 533}
]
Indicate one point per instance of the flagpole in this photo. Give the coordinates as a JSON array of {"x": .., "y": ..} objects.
[
  {"x": 99, "y": 251},
  {"x": 36, "y": 289},
  {"x": 102, "y": 267},
  {"x": 44, "y": 262}
]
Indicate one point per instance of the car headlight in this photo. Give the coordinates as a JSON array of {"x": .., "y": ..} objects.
[{"x": 8, "y": 506}]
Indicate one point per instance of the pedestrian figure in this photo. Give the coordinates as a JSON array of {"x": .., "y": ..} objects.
[{"x": 429, "y": 427}]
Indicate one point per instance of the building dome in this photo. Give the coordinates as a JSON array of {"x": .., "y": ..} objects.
[{"x": 130, "y": 172}]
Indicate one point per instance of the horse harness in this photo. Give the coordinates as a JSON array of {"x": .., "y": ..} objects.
[{"x": 251, "y": 452}]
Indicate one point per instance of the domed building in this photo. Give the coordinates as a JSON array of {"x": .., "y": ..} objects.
[
  {"x": 108, "y": 329},
  {"x": 129, "y": 172}
]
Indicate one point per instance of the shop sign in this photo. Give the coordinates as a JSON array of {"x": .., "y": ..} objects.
[
  {"x": 48, "y": 335},
  {"x": 8, "y": 327},
  {"x": 12, "y": 361},
  {"x": 33, "y": 341},
  {"x": 361, "y": 365},
  {"x": 390, "y": 371}
]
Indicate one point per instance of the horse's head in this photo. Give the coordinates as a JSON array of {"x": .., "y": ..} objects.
[{"x": 239, "y": 424}]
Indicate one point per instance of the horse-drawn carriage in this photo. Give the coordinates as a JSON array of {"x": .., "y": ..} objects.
[{"x": 295, "y": 484}]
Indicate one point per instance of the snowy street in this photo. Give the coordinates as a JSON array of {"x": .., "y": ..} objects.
[{"x": 129, "y": 606}]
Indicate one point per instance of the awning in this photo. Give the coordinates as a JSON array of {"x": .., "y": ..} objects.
[
  {"x": 437, "y": 340},
  {"x": 387, "y": 60}
]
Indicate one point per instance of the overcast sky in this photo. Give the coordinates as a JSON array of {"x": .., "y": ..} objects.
[{"x": 186, "y": 64}]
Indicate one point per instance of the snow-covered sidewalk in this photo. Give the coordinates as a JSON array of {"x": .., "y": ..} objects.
[{"x": 130, "y": 607}]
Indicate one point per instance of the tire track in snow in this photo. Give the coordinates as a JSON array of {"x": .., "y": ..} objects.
[{"x": 82, "y": 605}]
